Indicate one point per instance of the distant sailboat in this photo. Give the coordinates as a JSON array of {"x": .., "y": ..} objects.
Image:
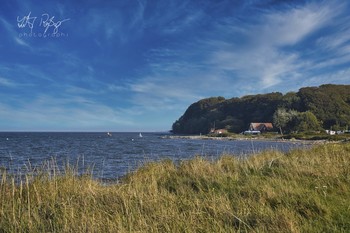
[{"x": 140, "y": 135}]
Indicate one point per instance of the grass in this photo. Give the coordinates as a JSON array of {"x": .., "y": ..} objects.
[{"x": 300, "y": 191}]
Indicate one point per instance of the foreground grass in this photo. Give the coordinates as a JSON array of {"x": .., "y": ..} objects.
[{"x": 300, "y": 191}]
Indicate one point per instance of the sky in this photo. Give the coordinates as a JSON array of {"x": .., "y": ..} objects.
[{"x": 136, "y": 65}]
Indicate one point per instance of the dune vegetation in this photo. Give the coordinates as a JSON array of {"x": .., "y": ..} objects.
[{"x": 304, "y": 190}]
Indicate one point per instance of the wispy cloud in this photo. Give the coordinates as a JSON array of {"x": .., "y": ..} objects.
[
  {"x": 6, "y": 25},
  {"x": 267, "y": 56},
  {"x": 339, "y": 77},
  {"x": 264, "y": 57},
  {"x": 11, "y": 32},
  {"x": 7, "y": 83},
  {"x": 293, "y": 25},
  {"x": 21, "y": 42},
  {"x": 113, "y": 25},
  {"x": 49, "y": 113}
]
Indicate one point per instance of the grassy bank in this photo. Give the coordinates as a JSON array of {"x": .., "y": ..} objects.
[{"x": 300, "y": 191}]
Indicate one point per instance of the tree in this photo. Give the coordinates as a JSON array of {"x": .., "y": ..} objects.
[
  {"x": 307, "y": 121},
  {"x": 282, "y": 118}
]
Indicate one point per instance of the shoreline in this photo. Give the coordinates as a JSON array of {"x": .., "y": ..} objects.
[{"x": 205, "y": 137}]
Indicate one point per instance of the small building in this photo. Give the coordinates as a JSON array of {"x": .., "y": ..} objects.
[
  {"x": 330, "y": 132},
  {"x": 261, "y": 127},
  {"x": 252, "y": 132},
  {"x": 218, "y": 131}
]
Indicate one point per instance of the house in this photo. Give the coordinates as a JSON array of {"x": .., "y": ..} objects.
[
  {"x": 261, "y": 127},
  {"x": 218, "y": 131}
]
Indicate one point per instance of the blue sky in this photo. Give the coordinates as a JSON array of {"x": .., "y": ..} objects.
[{"x": 136, "y": 65}]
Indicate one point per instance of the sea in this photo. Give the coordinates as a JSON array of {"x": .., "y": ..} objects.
[{"x": 110, "y": 157}]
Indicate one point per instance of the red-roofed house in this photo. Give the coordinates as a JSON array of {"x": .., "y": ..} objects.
[{"x": 262, "y": 127}]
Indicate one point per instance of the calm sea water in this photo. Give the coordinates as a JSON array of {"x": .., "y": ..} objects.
[{"x": 113, "y": 157}]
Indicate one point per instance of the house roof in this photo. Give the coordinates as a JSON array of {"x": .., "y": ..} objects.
[{"x": 261, "y": 126}]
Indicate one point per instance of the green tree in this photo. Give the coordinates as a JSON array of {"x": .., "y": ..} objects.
[
  {"x": 307, "y": 121},
  {"x": 283, "y": 117}
]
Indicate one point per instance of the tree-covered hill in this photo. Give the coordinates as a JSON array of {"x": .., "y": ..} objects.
[{"x": 311, "y": 108}]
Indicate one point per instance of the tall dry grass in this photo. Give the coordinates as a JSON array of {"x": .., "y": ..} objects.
[{"x": 300, "y": 191}]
